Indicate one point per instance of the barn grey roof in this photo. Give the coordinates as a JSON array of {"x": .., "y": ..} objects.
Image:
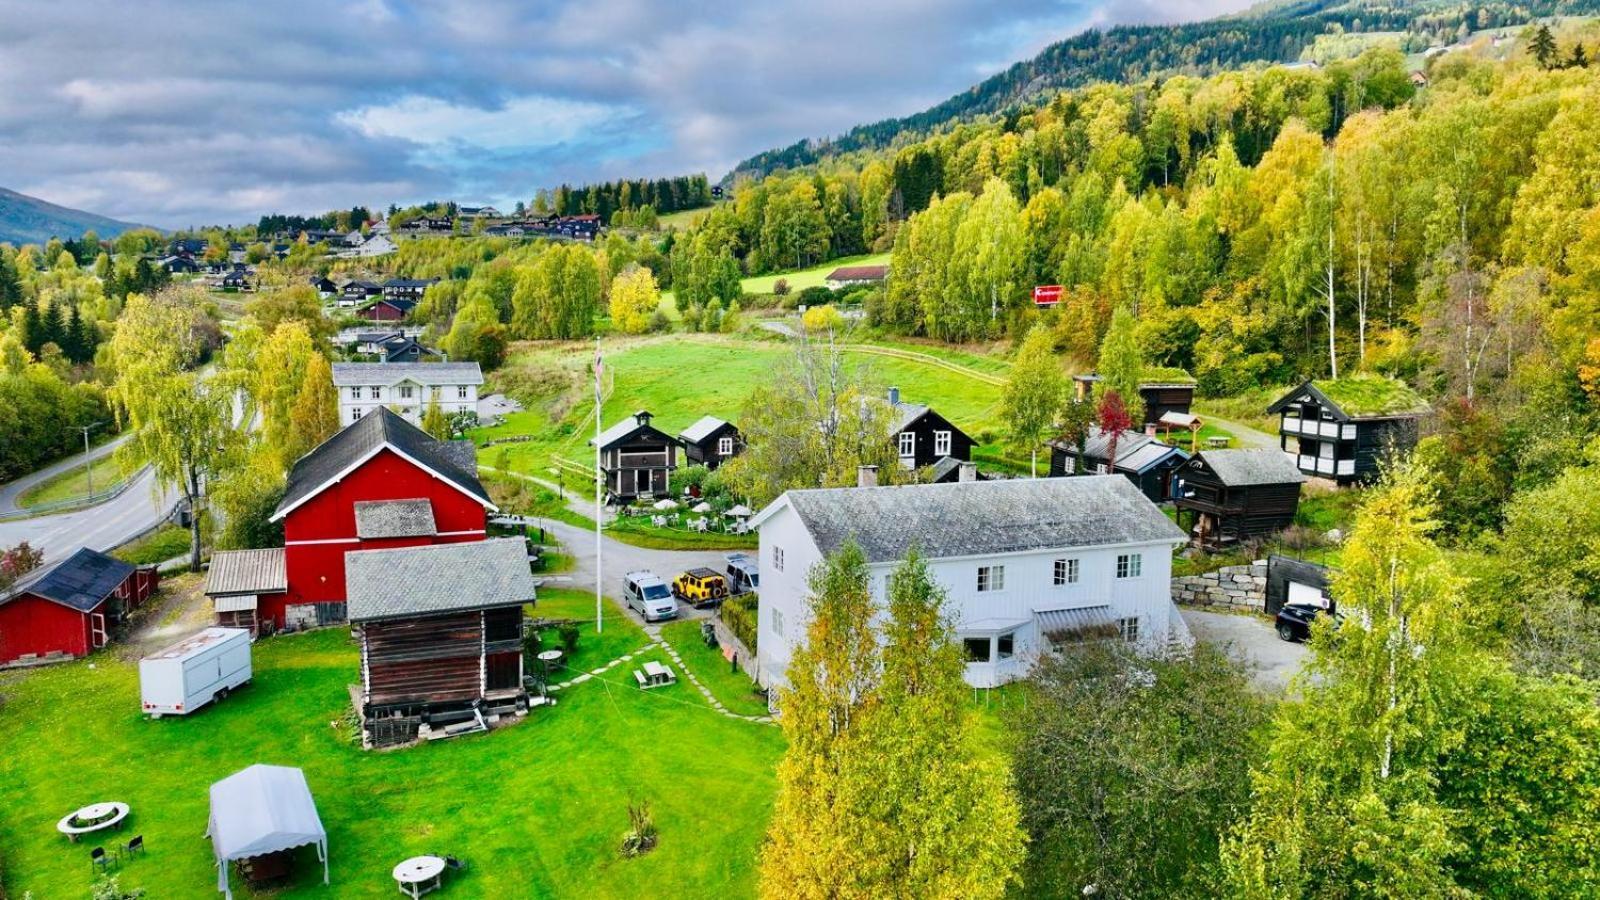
[
  {"x": 82, "y": 581},
  {"x": 247, "y": 572},
  {"x": 441, "y": 373},
  {"x": 319, "y": 468},
  {"x": 394, "y": 518},
  {"x": 438, "y": 578},
  {"x": 624, "y": 429},
  {"x": 979, "y": 518},
  {"x": 906, "y": 414},
  {"x": 1136, "y": 451},
  {"x": 700, "y": 430},
  {"x": 1242, "y": 468}
]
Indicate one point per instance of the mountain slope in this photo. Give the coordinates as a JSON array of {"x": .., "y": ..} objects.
[
  {"x": 1271, "y": 32},
  {"x": 29, "y": 220}
]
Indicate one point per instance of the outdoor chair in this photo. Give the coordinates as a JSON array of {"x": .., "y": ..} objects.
[
  {"x": 451, "y": 862},
  {"x": 135, "y": 845},
  {"x": 98, "y": 859}
]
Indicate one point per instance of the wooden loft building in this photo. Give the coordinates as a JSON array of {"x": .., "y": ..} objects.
[
  {"x": 710, "y": 442},
  {"x": 1342, "y": 429},
  {"x": 440, "y": 629},
  {"x": 922, "y": 437},
  {"x": 1143, "y": 460},
  {"x": 638, "y": 458},
  {"x": 1164, "y": 389},
  {"x": 1229, "y": 496}
]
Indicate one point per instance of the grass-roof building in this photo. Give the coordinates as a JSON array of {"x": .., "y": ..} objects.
[
  {"x": 1342, "y": 428},
  {"x": 1164, "y": 389}
]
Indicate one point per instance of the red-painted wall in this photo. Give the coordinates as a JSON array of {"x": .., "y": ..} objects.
[
  {"x": 316, "y": 570},
  {"x": 30, "y": 624},
  {"x": 382, "y": 312}
]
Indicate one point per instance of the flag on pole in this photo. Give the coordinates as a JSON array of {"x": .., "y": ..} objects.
[{"x": 599, "y": 494}]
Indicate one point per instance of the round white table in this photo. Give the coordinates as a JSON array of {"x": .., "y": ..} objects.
[
  {"x": 415, "y": 874},
  {"x": 95, "y": 816},
  {"x": 550, "y": 658}
]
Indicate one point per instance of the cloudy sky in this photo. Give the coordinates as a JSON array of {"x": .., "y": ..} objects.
[{"x": 182, "y": 113}]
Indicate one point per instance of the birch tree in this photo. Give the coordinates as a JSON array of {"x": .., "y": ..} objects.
[{"x": 1033, "y": 392}]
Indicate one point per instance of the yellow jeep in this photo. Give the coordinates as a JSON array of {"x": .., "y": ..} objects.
[{"x": 700, "y": 587}]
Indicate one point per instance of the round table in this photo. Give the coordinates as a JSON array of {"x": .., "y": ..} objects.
[
  {"x": 550, "y": 659},
  {"x": 415, "y": 873},
  {"x": 99, "y": 817}
]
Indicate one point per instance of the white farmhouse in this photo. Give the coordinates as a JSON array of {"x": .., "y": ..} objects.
[
  {"x": 406, "y": 388},
  {"x": 1029, "y": 565}
]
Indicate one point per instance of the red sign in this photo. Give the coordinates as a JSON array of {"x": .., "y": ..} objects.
[{"x": 1047, "y": 294}]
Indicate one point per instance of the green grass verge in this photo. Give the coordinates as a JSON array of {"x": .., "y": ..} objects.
[
  {"x": 641, "y": 534},
  {"x": 732, "y": 688},
  {"x": 813, "y": 276},
  {"x": 537, "y": 808},
  {"x": 164, "y": 543},
  {"x": 74, "y": 483},
  {"x": 618, "y": 636}
]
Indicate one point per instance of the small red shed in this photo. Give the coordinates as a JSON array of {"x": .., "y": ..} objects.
[{"x": 67, "y": 609}]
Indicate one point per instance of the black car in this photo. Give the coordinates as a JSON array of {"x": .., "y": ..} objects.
[{"x": 1294, "y": 620}]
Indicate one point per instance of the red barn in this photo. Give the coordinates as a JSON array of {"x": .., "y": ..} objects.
[
  {"x": 68, "y": 609},
  {"x": 389, "y": 309},
  {"x": 380, "y": 483}
]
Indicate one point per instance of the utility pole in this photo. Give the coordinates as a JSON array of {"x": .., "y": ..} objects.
[{"x": 88, "y": 465}]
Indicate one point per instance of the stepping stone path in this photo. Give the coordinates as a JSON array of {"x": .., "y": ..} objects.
[{"x": 657, "y": 643}]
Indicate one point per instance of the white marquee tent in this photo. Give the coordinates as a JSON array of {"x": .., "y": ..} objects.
[{"x": 261, "y": 810}]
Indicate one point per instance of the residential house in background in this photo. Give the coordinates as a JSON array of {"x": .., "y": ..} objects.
[
  {"x": 440, "y": 630},
  {"x": 1163, "y": 389},
  {"x": 479, "y": 212},
  {"x": 1343, "y": 428},
  {"x": 1143, "y": 460},
  {"x": 407, "y": 390},
  {"x": 357, "y": 292},
  {"x": 1232, "y": 496},
  {"x": 324, "y": 286},
  {"x": 178, "y": 265},
  {"x": 710, "y": 442},
  {"x": 638, "y": 459},
  {"x": 1028, "y": 565},
  {"x": 409, "y": 350},
  {"x": 856, "y": 276},
  {"x": 922, "y": 437},
  {"x": 407, "y": 288},
  {"x": 68, "y": 609},
  {"x": 381, "y": 483},
  {"x": 387, "y": 309}
]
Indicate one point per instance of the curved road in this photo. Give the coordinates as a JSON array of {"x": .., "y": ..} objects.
[
  {"x": 100, "y": 527},
  {"x": 10, "y": 492}
]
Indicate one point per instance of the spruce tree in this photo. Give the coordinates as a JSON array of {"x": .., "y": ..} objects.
[
  {"x": 10, "y": 284},
  {"x": 1543, "y": 46},
  {"x": 52, "y": 326}
]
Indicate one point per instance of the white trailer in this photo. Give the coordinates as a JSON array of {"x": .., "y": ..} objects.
[{"x": 195, "y": 671}]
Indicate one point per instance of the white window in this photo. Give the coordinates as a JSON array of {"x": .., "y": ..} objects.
[
  {"x": 405, "y": 392},
  {"x": 1066, "y": 572},
  {"x": 461, "y": 392},
  {"x": 355, "y": 415},
  {"x": 941, "y": 443},
  {"x": 991, "y": 578},
  {"x": 1100, "y": 469},
  {"x": 1130, "y": 565},
  {"x": 355, "y": 393},
  {"x": 908, "y": 443},
  {"x": 1006, "y": 645},
  {"x": 1129, "y": 629},
  {"x": 377, "y": 392},
  {"x": 725, "y": 446},
  {"x": 777, "y": 558},
  {"x": 777, "y": 621}
]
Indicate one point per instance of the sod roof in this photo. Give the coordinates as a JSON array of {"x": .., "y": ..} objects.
[{"x": 1372, "y": 395}]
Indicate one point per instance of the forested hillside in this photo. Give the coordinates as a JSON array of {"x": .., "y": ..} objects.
[{"x": 1271, "y": 32}]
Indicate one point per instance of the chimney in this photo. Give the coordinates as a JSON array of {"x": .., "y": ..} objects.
[
  {"x": 866, "y": 476},
  {"x": 894, "y": 396},
  {"x": 967, "y": 471},
  {"x": 1150, "y": 429}
]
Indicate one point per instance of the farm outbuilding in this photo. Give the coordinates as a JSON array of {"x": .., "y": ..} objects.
[
  {"x": 710, "y": 442},
  {"x": 67, "y": 609},
  {"x": 1231, "y": 496}
]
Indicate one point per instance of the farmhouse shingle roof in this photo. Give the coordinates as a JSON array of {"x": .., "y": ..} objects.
[
  {"x": 978, "y": 518},
  {"x": 82, "y": 581},
  {"x": 394, "y": 518},
  {"x": 858, "y": 273},
  {"x": 358, "y": 441},
  {"x": 360, "y": 374},
  {"x": 1136, "y": 451},
  {"x": 247, "y": 572},
  {"x": 440, "y": 578},
  {"x": 1243, "y": 468},
  {"x": 699, "y": 431}
]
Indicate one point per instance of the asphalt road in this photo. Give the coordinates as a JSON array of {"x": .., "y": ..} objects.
[
  {"x": 99, "y": 527},
  {"x": 1272, "y": 661},
  {"x": 10, "y": 492},
  {"x": 619, "y": 559}
]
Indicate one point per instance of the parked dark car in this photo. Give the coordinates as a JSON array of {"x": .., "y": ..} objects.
[{"x": 1294, "y": 620}]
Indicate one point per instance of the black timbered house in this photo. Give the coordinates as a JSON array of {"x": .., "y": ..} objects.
[
  {"x": 923, "y": 437},
  {"x": 710, "y": 442},
  {"x": 1229, "y": 496},
  {"x": 1342, "y": 429},
  {"x": 638, "y": 459},
  {"x": 1142, "y": 459}
]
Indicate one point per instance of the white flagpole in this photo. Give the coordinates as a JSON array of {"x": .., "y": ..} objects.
[{"x": 599, "y": 494}]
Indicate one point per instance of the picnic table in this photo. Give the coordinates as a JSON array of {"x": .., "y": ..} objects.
[
  {"x": 550, "y": 659},
  {"x": 657, "y": 674},
  {"x": 415, "y": 874},
  {"x": 1217, "y": 441},
  {"x": 92, "y": 818}
]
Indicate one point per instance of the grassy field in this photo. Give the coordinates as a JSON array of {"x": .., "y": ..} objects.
[
  {"x": 73, "y": 483},
  {"x": 683, "y": 219},
  {"x": 800, "y": 279},
  {"x": 163, "y": 544},
  {"x": 537, "y": 809},
  {"x": 733, "y": 689}
]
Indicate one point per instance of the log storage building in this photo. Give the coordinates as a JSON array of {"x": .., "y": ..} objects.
[
  {"x": 1143, "y": 460},
  {"x": 441, "y": 638},
  {"x": 1231, "y": 496},
  {"x": 1164, "y": 389},
  {"x": 638, "y": 458},
  {"x": 710, "y": 442},
  {"x": 1343, "y": 428}
]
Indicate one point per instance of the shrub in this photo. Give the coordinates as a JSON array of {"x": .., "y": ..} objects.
[
  {"x": 815, "y": 296},
  {"x": 780, "y": 287},
  {"x": 739, "y": 614},
  {"x": 569, "y": 638},
  {"x": 641, "y": 835}
]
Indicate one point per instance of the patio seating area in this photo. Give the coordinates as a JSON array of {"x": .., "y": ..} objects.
[{"x": 654, "y": 675}]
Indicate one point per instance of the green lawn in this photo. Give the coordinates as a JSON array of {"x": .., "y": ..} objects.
[
  {"x": 537, "y": 809},
  {"x": 683, "y": 219},
  {"x": 164, "y": 543},
  {"x": 619, "y": 635},
  {"x": 800, "y": 279},
  {"x": 733, "y": 689},
  {"x": 73, "y": 483}
]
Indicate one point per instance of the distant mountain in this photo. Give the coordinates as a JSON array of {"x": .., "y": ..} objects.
[
  {"x": 1272, "y": 31},
  {"x": 29, "y": 220}
]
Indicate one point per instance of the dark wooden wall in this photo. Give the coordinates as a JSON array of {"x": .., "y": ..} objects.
[{"x": 424, "y": 660}]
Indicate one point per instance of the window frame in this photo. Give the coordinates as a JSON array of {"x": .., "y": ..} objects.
[
  {"x": 991, "y": 579},
  {"x": 1130, "y": 566},
  {"x": 942, "y": 442},
  {"x": 967, "y": 644},
  {"x": 907, "y": 444},
  {"x": 1066, "y": 570},
  {"x": 376, "y": 391},
  {"x": 1005, "y": 645},
  {"x": 777, "y": 557},
  {"x": 725, "y": 446},
  {"x": 1128, "y": 629}
]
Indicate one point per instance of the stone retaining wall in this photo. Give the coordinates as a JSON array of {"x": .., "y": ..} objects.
[{"x": 1240, "y": 587}]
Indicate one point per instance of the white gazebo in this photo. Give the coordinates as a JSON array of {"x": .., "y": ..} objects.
[{"x": 261, "y": 810}]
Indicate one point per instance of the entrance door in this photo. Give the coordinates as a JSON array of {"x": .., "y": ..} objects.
[{"x": 97, "y": 630}]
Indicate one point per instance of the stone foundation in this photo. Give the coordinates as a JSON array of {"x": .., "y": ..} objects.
[{"x": 1238, "y": 587}]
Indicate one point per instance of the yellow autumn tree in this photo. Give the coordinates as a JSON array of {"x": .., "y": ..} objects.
[{"x": 635, "y": 297}]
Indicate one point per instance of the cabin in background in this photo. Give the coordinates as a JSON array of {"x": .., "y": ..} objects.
[
  {"x": 638, "y": 459},
  {"x": 1231, "y": 496},
  {"x": 1143, "y": 460},
  {"x": 1343, "y": 428},
  {"x": 710, "y": 442},
  {"x": 923, "y": 437},
  {"x": 1164, "y": 389}
]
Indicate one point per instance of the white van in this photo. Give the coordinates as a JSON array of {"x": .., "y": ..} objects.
[
  {"x": 744, "y": 575},
  {"x": 646, "y": 593},
  {"x": 195, "y": 671}
]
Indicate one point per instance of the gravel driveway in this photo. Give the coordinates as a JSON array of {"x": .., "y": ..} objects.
[
  {"x": 619, "y": 559},
  {"x": 1251, "y": 638}
]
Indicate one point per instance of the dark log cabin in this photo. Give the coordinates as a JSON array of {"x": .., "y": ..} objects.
[
  {"x": 1163, "y": 389},
  {"x": 638, "y": 458},
  {"x": 1343, "y": 429},
  {"x": 923, "y": 437},
  {"x": 710, "y": 442},
  {"x": 1231, "y": 496},
  {"x": 441, "y": 637},
  {"x": 1142, "y": 459}
]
